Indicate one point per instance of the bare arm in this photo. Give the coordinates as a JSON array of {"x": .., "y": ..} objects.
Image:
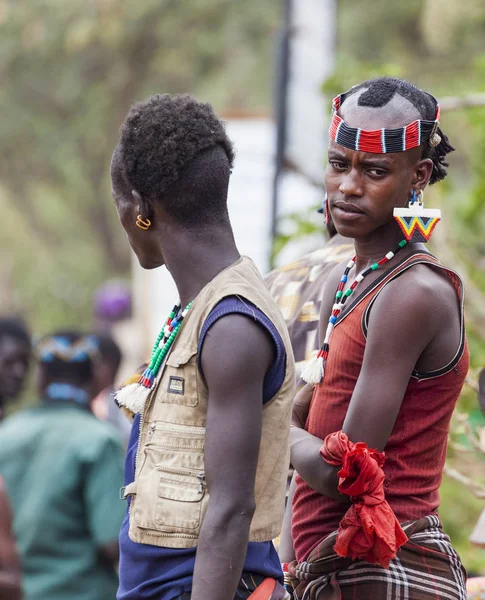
[
  {"x": 235, "y": 357},
  {"x": 10, "y": 583},
  {"x": 403, "y": 324}
]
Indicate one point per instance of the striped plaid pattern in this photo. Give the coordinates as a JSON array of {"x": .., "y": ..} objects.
[{"x": 426, "y": 568}]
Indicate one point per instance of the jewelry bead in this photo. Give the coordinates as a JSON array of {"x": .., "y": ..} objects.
[{"x": 340, "y": 300}]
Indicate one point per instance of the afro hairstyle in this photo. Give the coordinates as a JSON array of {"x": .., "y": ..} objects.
[{"x": 175, "y": 150}]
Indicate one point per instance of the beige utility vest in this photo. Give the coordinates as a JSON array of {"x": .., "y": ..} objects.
[{"x": 169, "y": 494}]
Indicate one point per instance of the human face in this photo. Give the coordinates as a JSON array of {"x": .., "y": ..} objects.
[
  {"x": 129, "y": 204},
  {"x": 14, "y": 364},
  {"x": 364, "y": 188}
]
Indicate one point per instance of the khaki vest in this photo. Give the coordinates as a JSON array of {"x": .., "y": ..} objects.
[{"x": 169, "y": 494}]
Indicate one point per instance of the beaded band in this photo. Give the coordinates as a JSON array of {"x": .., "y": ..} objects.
[
  {"x": 134, "y": 395},
  {"x": 382, "y": 141},
  {"x": 315, "y": 369}
]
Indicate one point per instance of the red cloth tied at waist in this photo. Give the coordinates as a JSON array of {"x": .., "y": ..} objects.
[{"x": 369, "y": 530}]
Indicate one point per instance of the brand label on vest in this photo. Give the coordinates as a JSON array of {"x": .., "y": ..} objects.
[{"x": 176, "y": 385}]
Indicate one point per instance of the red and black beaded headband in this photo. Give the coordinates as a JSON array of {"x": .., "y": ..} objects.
[{"x": 382, "y": 141}]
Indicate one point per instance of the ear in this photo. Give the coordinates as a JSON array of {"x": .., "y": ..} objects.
[
  {"x": 144, "y": 206},
  {"x": 422, "y": 173}
]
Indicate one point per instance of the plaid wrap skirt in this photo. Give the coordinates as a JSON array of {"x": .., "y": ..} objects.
[{"x": 426, "y": 568}]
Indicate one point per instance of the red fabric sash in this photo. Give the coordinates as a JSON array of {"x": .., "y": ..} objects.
[{"x": 369, "y": 530}]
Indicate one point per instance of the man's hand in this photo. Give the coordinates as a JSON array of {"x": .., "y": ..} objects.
[{"x": 301, "y": 406}]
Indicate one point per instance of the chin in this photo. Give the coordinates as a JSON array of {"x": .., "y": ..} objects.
[
  {"x": 149, "y": 264},
  {"x": 348, "y": 230}
]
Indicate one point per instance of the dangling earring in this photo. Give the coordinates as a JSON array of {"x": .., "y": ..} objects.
[
  {"x": 416, "y": 222},
  {"x": 143, "y": 224},
  {"x": 326, "y": 218}
]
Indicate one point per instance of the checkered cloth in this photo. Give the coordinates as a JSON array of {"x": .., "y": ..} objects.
[{"x": 426, "y": 568}]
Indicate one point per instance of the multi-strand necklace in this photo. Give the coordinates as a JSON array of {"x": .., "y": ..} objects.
[
  {"x": 133, "y": 396},
  {"x": 315, "y": 370}
]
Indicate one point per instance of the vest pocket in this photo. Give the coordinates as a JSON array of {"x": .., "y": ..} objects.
[
  {"x": 179, "y": 498},
  {"x": 180, "y": 378}
]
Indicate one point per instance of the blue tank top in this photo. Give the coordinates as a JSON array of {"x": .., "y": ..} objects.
[{"x": 150, "y": 572}]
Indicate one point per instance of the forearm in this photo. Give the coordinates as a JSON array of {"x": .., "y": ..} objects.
[
  {"x": 306, "y": 459},
  {"x": 221, "y": 551}
]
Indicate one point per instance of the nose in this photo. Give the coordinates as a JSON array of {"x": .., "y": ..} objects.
[{"x": 351, "y": 184}]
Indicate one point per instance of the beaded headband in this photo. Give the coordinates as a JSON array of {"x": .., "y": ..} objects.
[
  {"x": 382, "y": 141},
  {"x": 60, "y": 347}
]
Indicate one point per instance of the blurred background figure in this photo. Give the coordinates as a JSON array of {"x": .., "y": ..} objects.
[
  {"x": 63, "y": 469},
  {"x": 15, "y": 351},
  {"x": 297, "y": 289},
  {"x": 112, "y": 304},
  {"x": 10, "y": 585},
  {"x": 106, "y": 370}
]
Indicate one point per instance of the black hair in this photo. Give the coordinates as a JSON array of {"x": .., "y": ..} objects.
[
  {"x": 175, "y": 150},
  {"x": 59, "y": 365},
  {"x": 109, "y": 350},
  {"x": 14, "y": 328},
  {"x": 379, "y": 92}
]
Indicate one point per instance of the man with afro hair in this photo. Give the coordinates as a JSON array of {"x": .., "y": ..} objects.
[{"x": 207, "y": 459}]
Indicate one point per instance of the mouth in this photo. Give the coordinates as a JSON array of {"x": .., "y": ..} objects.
[{"x": 346, "y": 210}]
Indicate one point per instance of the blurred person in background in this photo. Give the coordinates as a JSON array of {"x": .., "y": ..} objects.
[
  {"x": 103, "y": 404},
  {"x": 111, "y": 305},
  {"x": 15, "y": 354},
  {"x": 10, "y": 575},
  {"x": 297, "y": 289},
  {"x": 63, "y": 469}
]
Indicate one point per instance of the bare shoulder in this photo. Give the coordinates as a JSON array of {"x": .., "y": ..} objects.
[{"x": 423, "y": 291}]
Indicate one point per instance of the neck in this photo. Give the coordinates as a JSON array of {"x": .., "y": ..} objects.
[
  {"x": 376, "y": 245},
  {"x": 194, "y": 259}
]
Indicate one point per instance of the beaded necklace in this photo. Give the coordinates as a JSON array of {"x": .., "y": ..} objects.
[
  {"x": 133, "y": 396},
  {"x": 315, "y": 370}
]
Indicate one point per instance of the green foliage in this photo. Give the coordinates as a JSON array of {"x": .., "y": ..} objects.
[
  {"x": 70, "y": 71},
  {"x": 459, "y": 512},
  {"x": 295, "y": 226}
]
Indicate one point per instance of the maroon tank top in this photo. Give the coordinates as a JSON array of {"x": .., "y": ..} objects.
[{"x": 416, "y": 449}]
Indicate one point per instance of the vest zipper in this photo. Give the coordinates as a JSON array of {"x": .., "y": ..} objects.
[
  {"x": 183, "y": 471},
  {"x": 142, "y": 417},
  {"x": 176, "y": 429},
  {"x": 155, "y": 533}
]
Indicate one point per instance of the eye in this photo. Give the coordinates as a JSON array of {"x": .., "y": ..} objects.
[
  {"x": 338, "y": 165},
  {"x": 376, "y": 172}
]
